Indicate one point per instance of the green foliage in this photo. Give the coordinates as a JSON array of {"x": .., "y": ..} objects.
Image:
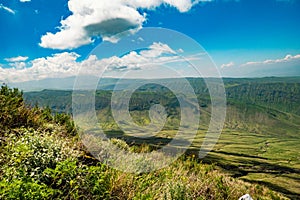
[
  {"x": 32, "y": 153},
  {"x": 19, "y": 189},
  {"x": 66, "y": 121},
  {"x": 281, "y": 96},
  {"x": 37, "y": 165},
  {"x": 260, "y": 135},
  {"x": 47, "y": 114},
  {"x": 178, "y": 191},
  {"x": 39, "y": 160},
  {"x": 13, "y": 112},
  {"x": 120, "y": 144},
  {"x": 76, "y": 181}
]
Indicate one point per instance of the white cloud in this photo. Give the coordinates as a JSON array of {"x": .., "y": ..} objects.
[
  {"x": 157, "y": 49},
  {"x": 287, "y": 58},
  {"x": 105, "y": 18},
  {"x": 57, "y": 65},
  {"x": 157, "y": 53},
  {"x": 65, "y": 64},
  {"x": 18, "y": 65},
  {"x": 286, "y": 66},
  {"x": 7, "y": 9},
  {"x": 23, "y": 1},
  {"x": 227, "y": 65},
  {"x": 180, "y": 50},
  {"x": 16, "y": 59}
]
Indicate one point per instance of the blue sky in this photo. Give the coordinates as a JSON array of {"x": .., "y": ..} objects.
[{"x": 236, "y": 34}]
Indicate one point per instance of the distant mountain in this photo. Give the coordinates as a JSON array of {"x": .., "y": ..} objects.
[
  {"x": 89, "y": 82},
  {"x": 271, "y": 92}
]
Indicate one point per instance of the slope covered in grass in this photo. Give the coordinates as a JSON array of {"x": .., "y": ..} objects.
[
  {"x": 260, "y": 141},
  {"x": 42, "y": 158}
]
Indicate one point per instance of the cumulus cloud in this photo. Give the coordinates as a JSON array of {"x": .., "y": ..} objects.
[
  {"x": 156, "y": 54},
  {"x": 65, "y": 64},
  {"x": 16, "y": 59},
  {"x": 17, "y": 62},
  {"x": 18, "y": 65},
  {"x": 105, "y": 19},
  {"x": 57, "y": 65},
  {"x": 23, "y": 1},
  {"x": 7, "y": 9}
]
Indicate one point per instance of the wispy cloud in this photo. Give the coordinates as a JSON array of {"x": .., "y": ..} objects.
[
  {"x": 23, "y": 1},
  {"x": 286, "y": 66},
  {"x": 16, "y": 59},
  {"x": 105, "y": 18},
  {"x": 287, "y": 58},
  {"x": 230, "y": 64},
  {"x": 7, "y": 9}
]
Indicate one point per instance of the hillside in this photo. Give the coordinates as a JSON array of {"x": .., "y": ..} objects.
[
  {"x": 260, "y": 141},
  {"x": 277, "y": 93},
  {"x": 42, "y": 158}
]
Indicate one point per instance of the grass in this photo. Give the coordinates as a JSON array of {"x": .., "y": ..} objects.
[
  {"x": 255, "y": 146},
  {"x": 248, "y": 156},
  {"x": 49, "y": 165},
  {"x": 269, "y": 159},
  {"x": 260, "y": 142},
  {"x": 48, "y": 161}
]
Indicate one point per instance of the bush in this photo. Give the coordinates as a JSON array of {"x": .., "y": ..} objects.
[
  {"x": 19, "y": 189},
  {"x": 77, "y": 181},
  {"x": 66, "y": 121},
  {"x": 32, "y": 153},
  {"x": 13, "y": 112},
  {"x": 45, "y": 166}
]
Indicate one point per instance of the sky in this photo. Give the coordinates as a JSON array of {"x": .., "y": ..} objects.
[{"x": 244, "y": 38}]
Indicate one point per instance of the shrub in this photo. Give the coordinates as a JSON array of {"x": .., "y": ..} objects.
[
  {"x": 32, "y": 153},
  {"x": 13, "y": 112},
  {"x": 66, "y": 121},
  {"x": 77, "y": 181},
  {"x": 45, "y": 166},
  {"x": 20, "y": 189}
]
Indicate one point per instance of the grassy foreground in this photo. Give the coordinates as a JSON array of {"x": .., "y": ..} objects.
[{"x": 41, "y": 157}]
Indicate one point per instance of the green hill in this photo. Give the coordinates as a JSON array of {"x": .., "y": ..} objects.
[
  {"x": 260, "y": 141},
  {"x": 41, "y": 157}
]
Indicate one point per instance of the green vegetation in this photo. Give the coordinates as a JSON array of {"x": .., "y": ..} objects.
[
  {"x": 260, "y": 141},
  {"x": 42, "y": 158}
]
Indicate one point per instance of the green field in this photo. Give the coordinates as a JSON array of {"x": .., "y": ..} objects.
[{"x": 260, "y": 142}]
